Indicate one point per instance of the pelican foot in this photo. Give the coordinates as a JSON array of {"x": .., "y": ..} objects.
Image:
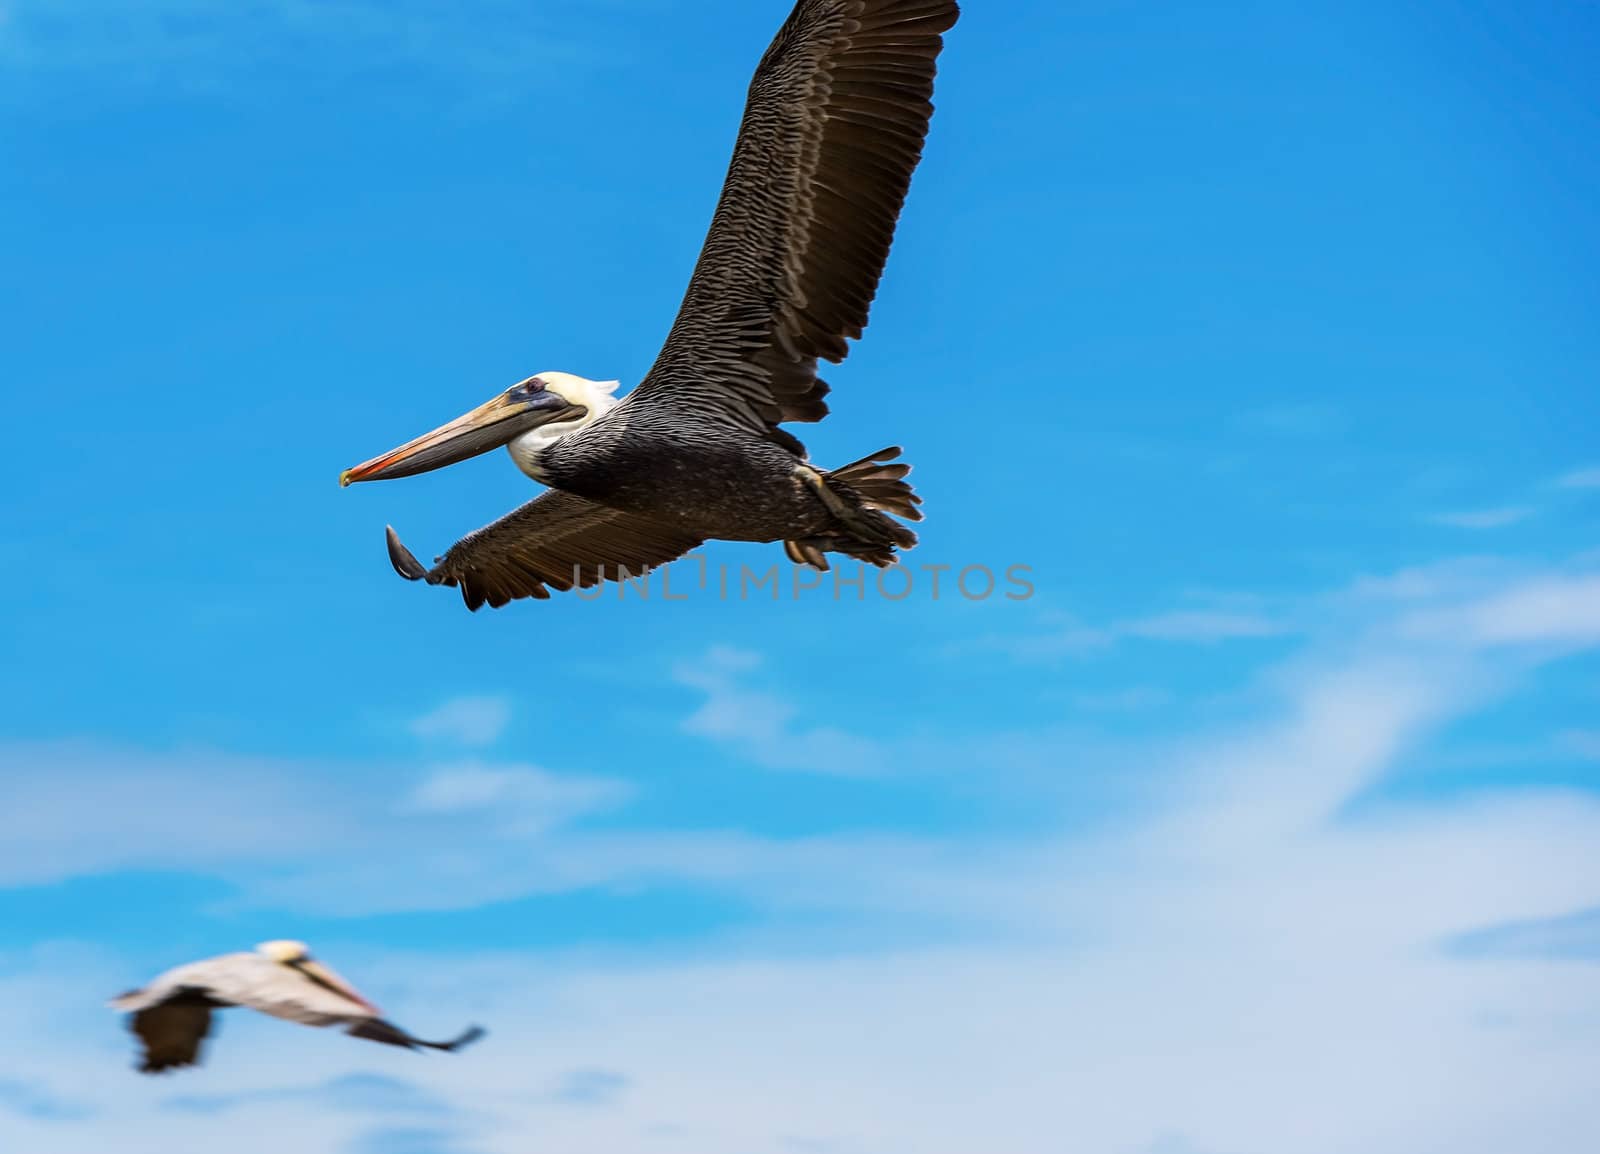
[{"x": 817, "y": 481}]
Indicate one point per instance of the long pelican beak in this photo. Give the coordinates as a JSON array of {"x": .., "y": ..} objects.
[
  {"x": 487, "y": 427},
  {"x": 328, "y": 980}
]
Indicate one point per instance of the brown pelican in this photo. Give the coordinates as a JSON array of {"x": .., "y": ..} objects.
[
  {"x": 833, "y": 127},
  {"x": 172, "y": 1015}
]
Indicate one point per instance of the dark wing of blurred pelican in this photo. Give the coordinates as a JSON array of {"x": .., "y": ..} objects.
[
  {"x": 833, "y": 128},
  {"x": 172, "y": 1015}
]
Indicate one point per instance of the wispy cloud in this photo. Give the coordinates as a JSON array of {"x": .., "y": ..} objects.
[
  {"x": 1584, "y": 743},
  {"x": 1496, "y": 518},
  {"x": 525, "y": 799},
  {"x": 1123, "y": 700},
  {"x": 468, "y": 720},
  {"x": 1054, "y": 635},
  {"x": 461, "y": 835},
  {"x": 1580, "y": 479},
  {"x": 197, "y": 46},
  {"x": 1175, "y": 1144},
  {"x": 1202, "y": 626},
  {"x": 360, "y": 1093},
  {"x": 1246, "y": 911},
  {"x": 1455, "y": 577},
  {"x": 1561, "y": 611},
  {"x": 327, "y": 839},
  {"x": 1070, "y": 637},
  {"x": 413, "y": 1140},
  {"x": 1305, "y": 419},
  {"x": 801, "y": 1145},
  {"x": 761, "y": 726},
  {"x": 1573, "y": 937},
  {"x": 69, "y": 808},
  {"x": 590, "y": 1087},
  {"x": 31, "y": 1100}
]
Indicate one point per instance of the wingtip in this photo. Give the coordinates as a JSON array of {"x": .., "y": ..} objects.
[
  {"x": 401, "y": 558},
  {"x": 468, "y": 1036}
]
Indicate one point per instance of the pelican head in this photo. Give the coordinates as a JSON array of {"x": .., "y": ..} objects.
[
  {"x": 297, "y": 956},
  {"x": 286, "y": 952},
  {"x": 529, "y": 416}
]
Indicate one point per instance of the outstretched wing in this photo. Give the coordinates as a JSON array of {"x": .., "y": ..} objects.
[
  {"x": 379, "y": 1030},
  {"x": 171, "y": 1031},
  {"x": 555, "y": 541},
  {"x": 833, "y": 128}
]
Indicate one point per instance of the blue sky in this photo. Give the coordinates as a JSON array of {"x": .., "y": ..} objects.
[{"x": 1261, "y": 334}]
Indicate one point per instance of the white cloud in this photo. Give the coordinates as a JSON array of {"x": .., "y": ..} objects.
[
  {"x": 1584, "y": 743},
  {"x": 198, "y": 46},
  {"x": 1065, "y": 636},
  {"x": 1202, "y": 626},
  {"x": 529, "y": 799},
  {"x": 1241, "y": 964},
  {"x": 467, "y": 720},
  {"x": 366, "y": 1093},
  {"x": 1496, "y": 518},
  {"x": 1456, "y": 577},
  {"x": 1580, "y": 479},
  {"x": 1122, "y": 700},
  {"x": 1054, "y": 635},
  {"x": 1573, "y": 937},
  {"x": 76, "y": 808},
  {"x": 1558, "y": 610},
  {"x": 20, "y": 1097},
  {"x": 1271, "y": 992},
  {"x": 343, "y": 839},
  {"x": 1310, "y": 418},
  {"x": 761, "y": 726}
]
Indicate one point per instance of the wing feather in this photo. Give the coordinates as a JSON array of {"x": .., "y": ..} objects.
[
  {"x": 556, "y": 541},
  {"x": 249, "y": 979},
  {"x": 170, "y": 1033},
  {"x": 833, "y": 128},
  {"x": 379, "y": 1030}
]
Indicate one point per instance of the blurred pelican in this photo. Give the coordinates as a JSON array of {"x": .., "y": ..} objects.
[{"x": 172, "y": 1015}]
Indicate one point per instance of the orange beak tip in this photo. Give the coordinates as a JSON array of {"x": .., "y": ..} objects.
[{"x": 344, "y": 479}]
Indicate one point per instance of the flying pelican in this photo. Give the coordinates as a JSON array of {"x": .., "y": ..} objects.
[
  {"x": 833, "y": 127},
  {"x": 172, "y": 1015}
]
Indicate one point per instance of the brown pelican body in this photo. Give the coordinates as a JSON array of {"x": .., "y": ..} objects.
[
  {"x": 172, "y": 1015},
  {"x": 833, "y": 128}
]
